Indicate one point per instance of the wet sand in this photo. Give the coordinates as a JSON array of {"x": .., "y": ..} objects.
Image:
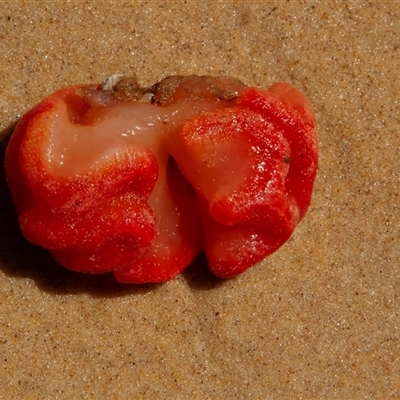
[{"x": 317, "y": 319}]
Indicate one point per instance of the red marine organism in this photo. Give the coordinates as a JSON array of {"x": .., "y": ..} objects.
[{"x": 139, "y": 180}]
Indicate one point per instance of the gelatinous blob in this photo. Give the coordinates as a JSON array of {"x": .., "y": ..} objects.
[{"x": 139, "y": 180}]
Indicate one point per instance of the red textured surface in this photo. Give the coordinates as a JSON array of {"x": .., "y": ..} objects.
[{"x": 251, "y": 164}]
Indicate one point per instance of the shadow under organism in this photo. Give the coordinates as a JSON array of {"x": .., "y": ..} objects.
[
  {"x": 20, "y": 258},
  {"x": 198, "y": 275}
]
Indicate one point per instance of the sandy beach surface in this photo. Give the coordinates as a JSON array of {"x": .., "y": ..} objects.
[{"x": 320, "y": 318}]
